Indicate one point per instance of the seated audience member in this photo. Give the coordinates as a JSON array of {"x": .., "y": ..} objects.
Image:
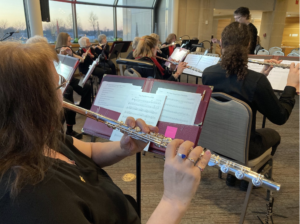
[
  {"x": 91, "y": 55},
  {"x": 106, "y": 62},
  {"x": 135, "y": 42},
  {"x": 146, "y": 51},
  {"x": 36, "y": 39},
  {"x": 231, "y": 76},
  {"x": 48, "y": 178},
  {"x": 63, "y": 43}
]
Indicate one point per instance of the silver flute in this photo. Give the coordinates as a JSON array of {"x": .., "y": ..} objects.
[
  {"x": 176, "y": 63},
  {"x": 268, "y": 63},
  {"x": 240, "y": 171}
]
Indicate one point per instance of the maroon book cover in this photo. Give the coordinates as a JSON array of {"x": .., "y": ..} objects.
[{"x": 185, "y": 132}]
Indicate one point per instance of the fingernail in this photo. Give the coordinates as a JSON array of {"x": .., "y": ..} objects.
[{"x": 207, "y": 151}]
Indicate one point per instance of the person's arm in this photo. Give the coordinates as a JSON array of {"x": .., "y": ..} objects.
[
  {"x": 180, "y": 68},
  {"x": 277, "y": 111},
  {"x": 108, "y": 153},
  {"x": 253, "y": 40}
]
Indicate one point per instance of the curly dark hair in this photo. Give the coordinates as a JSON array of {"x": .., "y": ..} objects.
[
  {"x": 235, "y": 41},
  {"x": 243, "y": 11}
]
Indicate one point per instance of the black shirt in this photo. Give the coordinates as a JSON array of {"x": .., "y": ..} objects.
[
  {"x": 62, "y": 197},
  {"x": 253, "y": 38},
  {"x": 84, "y": 66},
  {"x": 256, "y": 91}
]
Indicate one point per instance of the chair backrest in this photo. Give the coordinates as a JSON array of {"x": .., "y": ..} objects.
[
  {"x": 227, "y": 127},
  {"x": 263, "y": 52},
  {"x": 293, "y": 54},
  {"x": 132, "y": 73},
  {"x": 296, "y": 50},
  {"x": 280, "y": 53},
  {"x": 273, "y": 49}
]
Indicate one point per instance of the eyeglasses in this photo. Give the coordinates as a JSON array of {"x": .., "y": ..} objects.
[
  {"x": 237, "y": 18},
  {"x": 62, "y": 82}
]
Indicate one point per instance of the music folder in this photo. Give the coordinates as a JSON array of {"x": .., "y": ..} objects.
[{"x": 185, "y": 132}]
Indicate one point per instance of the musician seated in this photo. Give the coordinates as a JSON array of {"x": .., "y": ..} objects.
[
  {"x": 105, "y": 62},
  {"x": 63, "y": 46},
  {"x": 49, "y": 178},
  {"x": 146, "y": 51},
  {"x": 91, "y": 55},
  {"x": 159, "y": 53},
  {"x": 134, "y": 45},
  {"x": 232, "y": 77},
  {"x": 169, "y": 50}
]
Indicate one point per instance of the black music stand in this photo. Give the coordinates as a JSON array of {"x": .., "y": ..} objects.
[
  {"x": 145, "y": 65},
  {"x": 188, "y": 43}
]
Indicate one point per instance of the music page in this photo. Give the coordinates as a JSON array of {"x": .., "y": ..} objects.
[
  {"x": 192, "y": 60},
  {"x": 203, "y": 63},
  {"x": 255, "y": 67},
  {"x": 147, "y": 106},
  {"x": 64, "y": 70},
  {"x": 181, "y": 107},
  {"x": 113, "y": 95}
]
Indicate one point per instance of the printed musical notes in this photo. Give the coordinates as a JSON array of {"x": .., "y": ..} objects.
[
  {"x": 64, "y": 70},
  {"x": 113, "y": 95},
  {"x": 147, "y": 106},
  {"x": 200, "y": 62},
  {"x": 180, "y": 107}
]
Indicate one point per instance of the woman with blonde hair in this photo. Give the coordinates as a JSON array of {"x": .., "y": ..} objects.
[
  {"x": 63, "y": 45},
  {"x": 159, "y": 52},
  {"x": 146, "y": 51},
  {"x": 170, "y": 39},
  {"x": 50, "y": 178}
]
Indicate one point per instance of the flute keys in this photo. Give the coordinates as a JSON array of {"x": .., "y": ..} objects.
[
  {"x": 224, "y": 168},
  {"x": 239, "y": 175},
  {"x": 137, "y": 129}
]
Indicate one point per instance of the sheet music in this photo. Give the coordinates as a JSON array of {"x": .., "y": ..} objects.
[
  {"x": 181, "y": 107},
  {"x": 113, "y": 95},
  {"x": 88, "y": 74},
  {"x": 203, "y": 63},
  {"x": 64, "y": 70},
  {"x": 147, "y": 106},
  {"x": 178, "y": 55},
  {"x": 277, "y": 77}
]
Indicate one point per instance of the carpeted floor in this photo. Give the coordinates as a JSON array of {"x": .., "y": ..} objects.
[{"x": 214, "y": 201}]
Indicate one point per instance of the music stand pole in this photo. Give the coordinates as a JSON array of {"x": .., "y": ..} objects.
[{"x": 138, "y": 183}]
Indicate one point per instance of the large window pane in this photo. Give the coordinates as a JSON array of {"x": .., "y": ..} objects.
[
  {"x": 60, "y": 21},
  {"x": 144, "y": 3},
  {"x": 94, "y": 20},
  {"x": 107, "y": 2},
  {"x": 12, "y": 18},
  {"x": 133, "y": 22}
]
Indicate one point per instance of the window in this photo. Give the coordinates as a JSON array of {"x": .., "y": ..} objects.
[
  {"x": 133, "y": 22},
  {"x": 94, "y": 20},
  {"x": 61, "y": 20},
  {"x": 140, "y": 3},
  {"x": 106, "y": 2},
  {"x": 17, "y": 22}
]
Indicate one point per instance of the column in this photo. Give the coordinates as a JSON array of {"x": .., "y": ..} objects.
[
  {"x": 272, "y": 24},
  {"x": 35, "y": 17}
]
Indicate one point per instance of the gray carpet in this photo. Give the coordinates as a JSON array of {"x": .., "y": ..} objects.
[{"x": 214, "y": 201}]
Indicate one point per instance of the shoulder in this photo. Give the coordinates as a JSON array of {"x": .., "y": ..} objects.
[
  {"x": 251, "y": 26},
  {"x": 212, "y": 72}
]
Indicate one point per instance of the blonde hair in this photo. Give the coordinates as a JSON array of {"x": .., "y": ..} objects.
[
  {"x": 62, "y": 40},
  {"x": 36, "y": 39},
  {"x": 170, "y": 37},
  {"x": 156, "y": 36},
  {"x": 135, "y": 42},
  {"x": 34, "y": 123},
  {"x": 144, "y": 48},
  {"x": 82, "y": 41}
]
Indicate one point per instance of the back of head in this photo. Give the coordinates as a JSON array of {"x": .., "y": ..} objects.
[
  {"x": 243, "y": 11},
  {"x": 36, "y": 39},
  {"x": 135, "y": 42},
  {"x": 170, "y": 37},
  {"x": 156, "y": 36},
  {"x": 101, "y": 37},
  {"x": 82, "y": 41},
  {"x": 29, "y": 112},
  {"x": 144, "y": 48},
  {"x": 62, "y": 40},
  {"x": 235, "y": 40}
]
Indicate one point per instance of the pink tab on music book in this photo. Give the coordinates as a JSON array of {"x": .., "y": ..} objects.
[{"x": 171, "y": 132}]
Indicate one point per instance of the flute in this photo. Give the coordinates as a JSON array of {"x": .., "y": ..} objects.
[
  {"x": 176, "y": 63},
  {"x": 168, "y": 45},
  {"x": 241, "y": 172},
  {"x": 268, "y": 63},
  {"x": 83, "y": 58}
]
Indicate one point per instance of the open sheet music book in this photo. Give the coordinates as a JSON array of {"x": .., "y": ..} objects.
[
  {"x": 182, "y": 114},
  {"x": 177, "y": 55},
  {"x": 277, "y": 77},
  {"x": 66, "y": 67},
  {"x": 200, "y": 62}
]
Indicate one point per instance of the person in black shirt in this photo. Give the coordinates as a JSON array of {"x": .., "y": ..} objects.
[
  {"x": 146, "y": 51},
  {"x": 242, "y": 15},
  {"x": 232, "y": 77},
  {"x": 170, "y": 40},
  {"x": 48, "y": 178}
]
